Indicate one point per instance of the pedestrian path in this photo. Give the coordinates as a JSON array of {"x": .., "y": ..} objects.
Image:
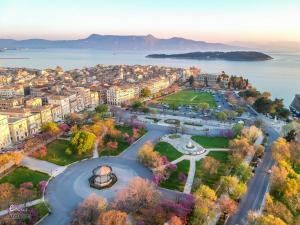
[
  {"x": 189, "y": 181},
  {"x": 95, "y": 151},
  {"x": 15, "y": 208},
  {"x": 43, "y": 166}
]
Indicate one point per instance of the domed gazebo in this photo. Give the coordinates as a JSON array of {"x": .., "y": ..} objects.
[{"x": 103, "y": 177}]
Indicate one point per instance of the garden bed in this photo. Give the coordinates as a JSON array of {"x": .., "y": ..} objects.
[{"x": 122, "y": 143}]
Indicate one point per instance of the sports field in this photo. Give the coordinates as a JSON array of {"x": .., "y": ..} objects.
[{"x": 190, "y": 97}]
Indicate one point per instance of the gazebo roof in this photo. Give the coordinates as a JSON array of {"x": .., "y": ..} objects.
[{"x": 102, "y": 170}]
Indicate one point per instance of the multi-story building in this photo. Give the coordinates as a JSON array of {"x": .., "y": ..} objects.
[
  {"x": 56, "y": 113},
  {"x": 295, "y": 105},
  {"x": 117, "y": 96},
  {"x": 45, "y": 113},
  {"x": 34, "y": 102},
  {"x": 62, "y": 101},
  {"x": 207, "y": 79},
  {"x": 11, "y": 91},
  {"x": 158, "y": 84},
  {"x": 4, "y": 131},
  {"x": 17, "y": 128},
  {"x": 94, "y": 99},
  {"x": 33, "y": 119},
  {"x": 85, "y": 94},
  {"x": 14, "y": 102}
]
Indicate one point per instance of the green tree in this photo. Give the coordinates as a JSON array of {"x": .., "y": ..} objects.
[
  {"x": 137, "y": 105},
  {"x": 145, "y": 92},
  {"x": 237, "y": 129},
  {"x": 203, "y": 106},
  {"x": 101, "y": 109},
  {"x": 243, "y": 172},
  {"x": 221, "y": 116},
  {"x": 82, "y": 142}
]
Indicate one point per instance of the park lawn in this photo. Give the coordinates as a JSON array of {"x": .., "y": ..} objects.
[
  {"x": 190, "y": 97},
  {"x": 56, "y": 153},
  {"x": 41, "y": 209},
  {"x": 173, "y": 183},
  {"x": 213, "y": 180},
  {"x": 168, "y": 150},
  {"x": 122, "y": 144},
  {"x": 212, "y": 142},
  {"x": 23, "y": 174}
]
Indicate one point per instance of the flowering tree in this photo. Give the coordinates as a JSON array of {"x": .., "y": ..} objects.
[
  {"x": 42, "y": 186},
  {"x": 27, "y": 185},
  {"x": 112, "y": 217},
  {"x": 182, "y": 177},
  {"x": 89, "y": 210},
  {"x": 139, "y": 194},
  {"x": 40, "y": 153},
  {"x": 112, "y": 145}
]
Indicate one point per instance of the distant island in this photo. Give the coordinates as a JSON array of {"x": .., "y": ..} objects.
[{"x": 230, "y": 56}]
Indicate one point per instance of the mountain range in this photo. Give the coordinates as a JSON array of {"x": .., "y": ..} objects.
[{"x": 117, "y": 42}]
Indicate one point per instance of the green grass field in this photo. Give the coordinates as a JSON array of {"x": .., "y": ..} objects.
[
  {"x": 212, "y": 142},
  {"x": 56, "y": 153},
  {"x": 190, "y": 97},
  {"x": 23, "y": 174},
  {"x": 173, "y": 183},
  {"x": 213, "y": 180},
  {"x": 168, "y": 150}
]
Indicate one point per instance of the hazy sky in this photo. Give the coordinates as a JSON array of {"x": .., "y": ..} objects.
[{"x": 212, "y": 20}]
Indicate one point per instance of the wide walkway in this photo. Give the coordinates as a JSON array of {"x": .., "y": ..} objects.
[{"x": 43, "y": 166}]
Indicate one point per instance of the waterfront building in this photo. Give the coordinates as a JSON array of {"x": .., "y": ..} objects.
[{"x": 5, "y": 139}]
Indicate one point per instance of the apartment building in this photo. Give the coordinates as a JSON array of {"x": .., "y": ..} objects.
[
  {"x": 11, "y": 91},
  {"x": 56, "y": 112},
  {"x": 34, "y": 122},
  {"x": 84, "y": 94},
  {"x": 14, "y": 102},
  {"x": 62, "y": 101},
  {"x": 95, "y": 100},
  {"x": 34, "y": 102},
  {"x": 45, "y": 113},
  {"x": 207, "y": 79},
  {"x": 117, "y": 96},
  {"x": 18, "y": 129},
  {"x": 158, "y": 84},
  {"x": 5, "y": 140}
]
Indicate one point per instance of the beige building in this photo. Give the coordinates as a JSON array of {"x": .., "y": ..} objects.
[
  {"x": 56, "y": 113},
  {"x": 33, "y": 120},
  {"x": 45, "y": 113},
  {"x": 18, "y": 129},
  {"x": 62, "y": 101},
  {"x": 8, "y": 103},
  {"x": 34, "y": 102},
  {"x": 158, "y": 84},
  {"x": 95, "y": 101},
  {"x": 5, "y": 140},
  {"x": 117, "y": 96},
  {"x": 11, "y": 91},
  {"x": 209, "y": 79},
  {"x": 85, "y": 95}
]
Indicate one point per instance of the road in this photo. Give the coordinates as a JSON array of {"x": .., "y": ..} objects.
[{"x": 258, "y": 186}]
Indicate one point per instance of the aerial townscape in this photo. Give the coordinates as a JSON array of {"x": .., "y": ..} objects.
[{"x": 138, "y": 130}]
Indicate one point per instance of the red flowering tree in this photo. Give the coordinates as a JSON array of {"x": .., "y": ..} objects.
[{"x": 112, "y": 145}]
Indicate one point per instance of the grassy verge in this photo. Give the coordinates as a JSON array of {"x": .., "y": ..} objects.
[
  {"x": 56, "y": 153},
  {"x": 212, "y": 142},
  {"x": 173, "y": 183},
  {"x": 168, "y": 150}
]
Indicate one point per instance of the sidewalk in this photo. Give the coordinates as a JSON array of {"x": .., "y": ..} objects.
[
  {"x": 21, "y": 206},
  {"x": 43, "y": 166}
]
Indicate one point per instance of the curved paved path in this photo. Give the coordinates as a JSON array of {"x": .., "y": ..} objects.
[{"x": 68, "y": 189}]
